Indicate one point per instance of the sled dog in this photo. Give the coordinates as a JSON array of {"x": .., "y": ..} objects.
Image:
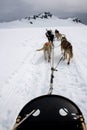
[
  {"x": 66, "y": 49},
  {"x": 47, "y": 48},
  {"x": 49, "y": 35},
  {"x": 58, "y": 35}
]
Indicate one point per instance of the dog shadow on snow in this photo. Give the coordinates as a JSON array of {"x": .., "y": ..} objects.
[
  {"x": 59, "y": 62},
  {"x": 40, "y": 60}
]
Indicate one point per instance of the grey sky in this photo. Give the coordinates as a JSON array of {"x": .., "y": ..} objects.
[{"x": 14, "y": 9}]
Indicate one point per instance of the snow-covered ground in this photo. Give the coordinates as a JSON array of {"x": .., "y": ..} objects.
[{"x": 24, "y": 75}]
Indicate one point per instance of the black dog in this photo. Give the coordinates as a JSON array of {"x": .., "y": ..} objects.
[{"x": 49, "y": 35}]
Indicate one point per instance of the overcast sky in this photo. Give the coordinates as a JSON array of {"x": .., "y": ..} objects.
[{"x": 14, "y": 9}]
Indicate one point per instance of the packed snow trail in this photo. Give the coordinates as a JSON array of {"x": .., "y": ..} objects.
[{"x": 28, "y": 75}]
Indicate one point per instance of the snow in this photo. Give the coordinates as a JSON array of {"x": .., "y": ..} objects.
[
  {"x": 39, "y": 22},
  {"x": 24, "y": 75}
]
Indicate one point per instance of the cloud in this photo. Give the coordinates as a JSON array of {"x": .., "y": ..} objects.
[
  {"x": 63, "y": 5},
  {"x": 12, "y": 9}
]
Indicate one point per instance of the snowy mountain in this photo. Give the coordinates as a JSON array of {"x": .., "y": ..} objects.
[
  {"x": 25, "y": 75},
  {"x": 45, "y": 19}
]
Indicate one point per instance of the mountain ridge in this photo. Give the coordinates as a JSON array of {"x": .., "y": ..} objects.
[{"x": 44, "y": 19}]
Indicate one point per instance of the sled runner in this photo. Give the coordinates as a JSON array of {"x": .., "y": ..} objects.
[{"x": 51, "y": 111}]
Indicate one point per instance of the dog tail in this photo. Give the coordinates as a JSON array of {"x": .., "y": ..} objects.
[{"x": 40, "y": 49}]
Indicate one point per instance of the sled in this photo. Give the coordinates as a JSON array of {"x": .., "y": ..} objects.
[{"x": 50, "y": 111}]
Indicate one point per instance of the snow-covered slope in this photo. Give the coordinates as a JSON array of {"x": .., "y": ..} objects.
[
  {"x": 25, "y": 75},
  {"x": 41, "y": 20}
]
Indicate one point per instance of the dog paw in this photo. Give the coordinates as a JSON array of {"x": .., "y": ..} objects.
[{"x": 68, "y": 63}]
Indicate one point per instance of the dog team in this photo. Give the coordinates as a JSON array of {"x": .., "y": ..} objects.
[{"x": 65, "y": 46}]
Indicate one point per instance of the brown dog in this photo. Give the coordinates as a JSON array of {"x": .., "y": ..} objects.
[
  {"x": 58, "y": 35},
  {"x": 66, "y": 48},
  {"x": 47, "y": 48}
]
